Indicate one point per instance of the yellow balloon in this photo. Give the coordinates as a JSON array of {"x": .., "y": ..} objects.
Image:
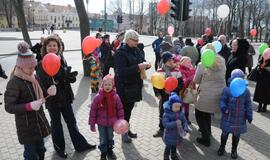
[{"x": 158, "y": 80}]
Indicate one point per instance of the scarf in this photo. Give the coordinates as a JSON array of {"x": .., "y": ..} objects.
[
  {"x": 35, "y": 84},
  {"x": 108, "y": 98}
]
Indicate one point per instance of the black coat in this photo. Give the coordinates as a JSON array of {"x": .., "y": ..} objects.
[
  {"x": 225, "y": 52},
  {"x": 127, "y": 76},
  {"x": 31, "y": 126},
  {"x": 261, "y": 94},
  {"x": 37, "y": 49},
  {"x": 106, "y": 54},
  {"x": 64, "y": 94}
]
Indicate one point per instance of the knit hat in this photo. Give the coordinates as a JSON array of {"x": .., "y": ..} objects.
[
  {"x": 166, "y": 56},
  {"x": 174, "y": 98},
  {"x": 189, "y": 42},
  {"x": 237, "y": 73},
  {"x": 108, "y": 77},
  {"x": 25, "y": 58},
  {"x": 131, "y": 34},
  {"x": 185, "y": 61}
]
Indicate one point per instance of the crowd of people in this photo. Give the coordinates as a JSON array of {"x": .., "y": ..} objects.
[{"x": 30, "y": 87}]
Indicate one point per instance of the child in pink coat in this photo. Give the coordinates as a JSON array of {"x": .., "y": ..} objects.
[
  {"x": 106, "y": 108},
  {"x": 188, "y": 71}
]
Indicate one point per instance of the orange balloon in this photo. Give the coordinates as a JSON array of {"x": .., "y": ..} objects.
[
  {"x": 170, "y": 84},
  {"x": 208, "y": 31},
  {"x": 163, "y": 7},
  {"x": 253, "y": 32},
  {"x": 89, "y": 44},
  {"x": 98, "y": 41},
  {"x": 51, "y": 64}
]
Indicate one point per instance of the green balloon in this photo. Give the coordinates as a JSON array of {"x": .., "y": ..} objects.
[
  {"x": 208, "y": 58},
  {"x": 262, "y": 48}
]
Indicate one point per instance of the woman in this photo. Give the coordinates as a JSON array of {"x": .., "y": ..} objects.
[
  {"x": 238, "y": 57},
  {"x": 24, "y": 98},
  {"x": 61, "y": 103},
  {"x": 261, "y": 94},
  {"x": 211, "y": 83}
]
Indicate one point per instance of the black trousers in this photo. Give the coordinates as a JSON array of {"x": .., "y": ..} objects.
[
  {"x": 128, "y": 107},
  {"x": 204, "y": 122},
  {"x": 157, "y": 61}
]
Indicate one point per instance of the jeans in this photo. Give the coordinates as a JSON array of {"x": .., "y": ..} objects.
[
  {"x": 35, "y": 151},
  {"x": 170, "y": 149},
  {"x": 79, "y": 142},
  {"x": 105, "y": 138}
]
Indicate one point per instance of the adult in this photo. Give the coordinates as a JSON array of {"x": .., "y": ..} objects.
[
  {"x": 176, "y": 47},
  {"x": 61, "y": 103},
  {"x": 225, "y": 51},
  {"x": 128, "y": 65},
  {"x": 106, "y": 59},
  {"x": 211, "y": 83},
  {"x": 156, "y": 47},
  {"x": 190, "y": 51},
  {"x": 261, "y": 94},
  {"x": 37, "y": 49},
  {"x": 181, "y": 40},
  {"x": 238, "y": 57},
  {"x": 251, "y": 53}
]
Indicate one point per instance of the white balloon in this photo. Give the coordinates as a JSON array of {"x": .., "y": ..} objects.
[{"x": 223, "y": 11}]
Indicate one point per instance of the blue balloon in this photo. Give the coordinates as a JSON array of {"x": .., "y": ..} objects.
[
  {"x": 218, "y": 46},
  {"x": 238, "y": 87}
]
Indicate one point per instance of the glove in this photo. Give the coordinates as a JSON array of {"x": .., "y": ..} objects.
[
  {"x": 250, "y": 120},
  {"x": 143, "y": 65},
  {"x": 93, "y": 128},
  {"x": 35, "y": 105},
  {"x": 224, "y": 109},
  {"x": 51, "y": 90}
]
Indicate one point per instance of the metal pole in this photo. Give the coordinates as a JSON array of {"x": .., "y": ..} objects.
[{"x": 105, "y": 17}]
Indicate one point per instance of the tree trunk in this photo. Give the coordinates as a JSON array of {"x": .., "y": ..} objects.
[
  {"x": 18, "y": 5},
  {"x": 84, "y": 29},
  {"x": 8, "y": 11}
]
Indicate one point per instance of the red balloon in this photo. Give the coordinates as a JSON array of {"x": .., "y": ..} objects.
[
  {"x": 51, "y": 64},
  {"x": 253, "y": 32},
  {"x": 208, "y": 31},
  {"x": 163, "y": 7},
  {"x": 120, "y": 126},
  {"x": 89, "y": 44},
  {"x": 200, "y": 41},
  {"x": 170, "y": 84}
]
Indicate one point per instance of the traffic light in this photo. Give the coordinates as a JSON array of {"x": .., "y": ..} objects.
[
  {"x": 176, "y": 8},
  {"x": 119, "y": 19},
  {"x": 186, "y": 9}
]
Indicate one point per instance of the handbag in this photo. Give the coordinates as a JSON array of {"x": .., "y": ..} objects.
[
  {"x": 190, "y": 96},
  {"x": 254, "y": 74}
]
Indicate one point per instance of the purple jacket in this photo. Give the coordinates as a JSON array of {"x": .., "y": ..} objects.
[{"x": 99, "y": 114}]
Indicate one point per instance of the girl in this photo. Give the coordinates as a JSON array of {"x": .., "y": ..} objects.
[
  {"x": 61, "y": 103},
  {"x": 106, "y": 108},
  {"x": 24, "y": 98},
  {"x": 235, "y": 112},
  {"x": 175, "y": 125}
]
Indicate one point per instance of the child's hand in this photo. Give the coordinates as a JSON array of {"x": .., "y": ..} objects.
[
  {"x": 93, "y": 128},
  {"x": 178, "y": 123}
]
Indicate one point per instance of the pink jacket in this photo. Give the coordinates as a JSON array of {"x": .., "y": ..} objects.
[
  {"x": 187, "y": 74},
  {"x": 99, "y": 114}
]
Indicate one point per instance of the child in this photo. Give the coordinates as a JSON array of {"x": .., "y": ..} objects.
[
  {"x": 235, "y": 112},
  {"x": 168, "y": 69},
  {"x": 175, "y": 125},
  {"x": 188, "y": 71},
  {"x": 24, "y": 98},
  {"x": 106, "y": 108}
]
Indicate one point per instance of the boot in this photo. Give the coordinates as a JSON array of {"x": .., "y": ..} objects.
[
  {"x": 264, "y": 107},
  {"x": 159, "y": 133},
  {"x": 203, "y": 141},
  {"x": 111, "y": 154},
  {"x": 235, "y": 141},
  {"x": 221, "y": 149},
  {"x": 259, "y": 107},
  {"x": 174, "y": 156},
  {"x": 132, "y": 135},
  {"x": 166, "y": 157},
  {"x": 103, "y": 156},
  {"x": 126, "y": 138}
]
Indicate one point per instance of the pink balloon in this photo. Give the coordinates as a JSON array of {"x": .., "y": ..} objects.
[
  {"x": 120, "y": 126},
  {"x": 170, "y": 30},
  {"x": 266, "y": 54}
]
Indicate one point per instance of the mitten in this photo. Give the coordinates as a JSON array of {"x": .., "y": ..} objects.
[
  {"x": 93, "y": 128},
  {"x": 224, "y": 109},
  {"x": 34, "y": 105},
  {"x": 51, "y": 90}
]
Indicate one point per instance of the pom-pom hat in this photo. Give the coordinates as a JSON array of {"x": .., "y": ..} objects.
[{"x": 25, "y": 58}]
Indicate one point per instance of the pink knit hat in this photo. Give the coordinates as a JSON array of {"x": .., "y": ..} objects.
[
  {"x": 108, "y": 77},
  {"x": 25, "y": 58}
]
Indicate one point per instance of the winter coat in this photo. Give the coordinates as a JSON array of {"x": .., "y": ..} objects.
[
  {"x": 106, "y": 54},
  {"x": 190, "y": 52},
  {"x": 99, "y": 114},
  {"x": 128, "y": 81},
  {"x": 172, "y": 135},
  {"x": 251, "y": 53},
  {"x": 31, "y": 125},
  {"x": 211, "y": 83},
  {"x": 156, "y": 45},
  {"x": 261, "y": 94},
  {"x": 37, "y": 49},
  {"x": 239, "y": 110},
  {"x": 62, "y": 79},
  {"x": 225, "y": 52}
]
